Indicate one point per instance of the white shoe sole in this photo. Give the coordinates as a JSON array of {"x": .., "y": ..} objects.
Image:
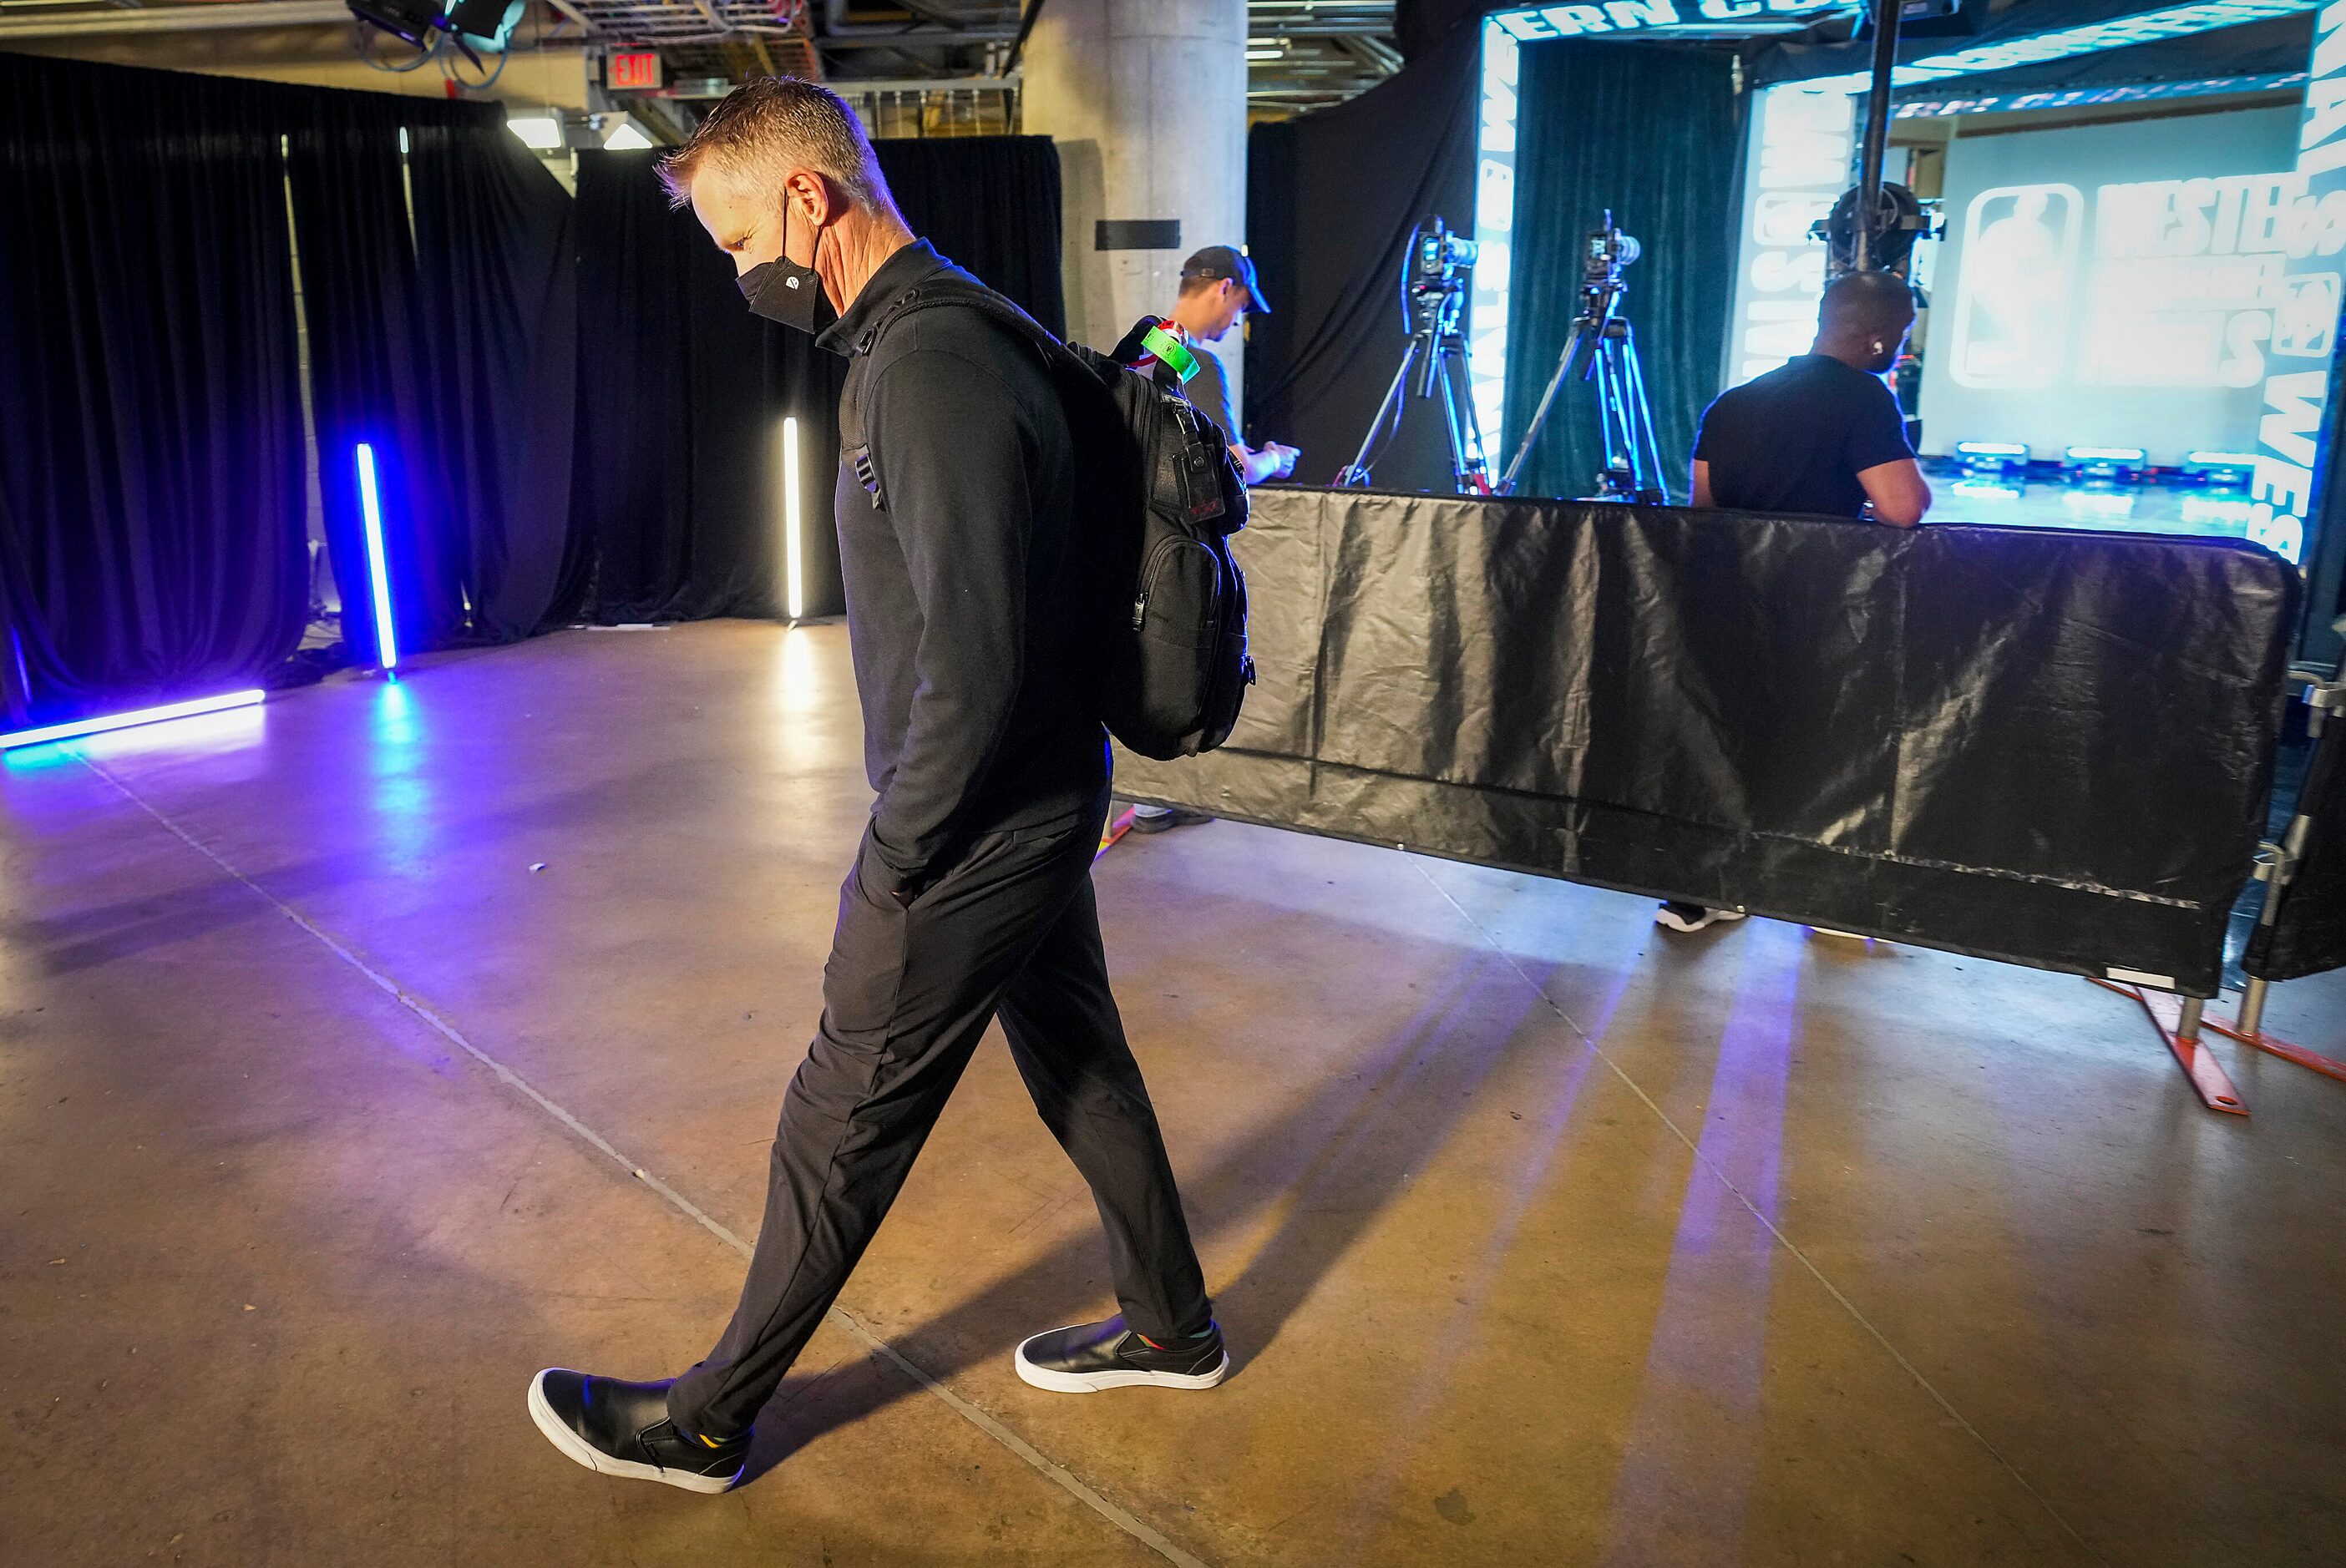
[
  {"x": 1669, "y": 921},
  {"x": 584, "y": 1452},
  {"x": 1092, "y": 1382}
]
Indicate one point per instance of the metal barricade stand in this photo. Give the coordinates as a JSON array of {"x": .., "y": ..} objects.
[{"x": 2183, "y": 1020}]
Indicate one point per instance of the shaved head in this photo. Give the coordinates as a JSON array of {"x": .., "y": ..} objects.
[
  {"x": 1865, "y": 319},
  {"x": 1868, "y": 305}
]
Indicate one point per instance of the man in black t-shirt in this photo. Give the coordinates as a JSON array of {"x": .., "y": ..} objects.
[{"x": 1823, "y": 436}]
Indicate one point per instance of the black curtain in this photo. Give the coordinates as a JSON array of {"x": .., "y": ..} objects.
[
  {"x": 447, "y": 339},
  {"x": 679, "y": 479},
  {"x": 990, "y": 203},
  {"x": 150, "y": 453},
  {"x": 497, "y": 242},
  {"x": 1331, "y": 199},
  {"x": 368, "y": 382},
  {"x": 1654, "y": 133},
  {"x": 682, "y": 397},
  {"x": 151, "y": 483}
]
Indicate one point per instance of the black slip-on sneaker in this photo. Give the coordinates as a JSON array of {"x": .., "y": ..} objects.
[
  {"x": 1088, "y": 1357},
  {"x": 623, "y": 1429}
]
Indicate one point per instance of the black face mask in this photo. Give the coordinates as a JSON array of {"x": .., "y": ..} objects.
[{"x": 782, "y": 290}]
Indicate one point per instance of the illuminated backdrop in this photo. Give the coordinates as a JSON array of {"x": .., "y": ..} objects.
[{"x": 2113, "y": 285}]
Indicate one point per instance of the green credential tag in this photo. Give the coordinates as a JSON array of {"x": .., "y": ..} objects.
[{"x": 1172, "y": 351}]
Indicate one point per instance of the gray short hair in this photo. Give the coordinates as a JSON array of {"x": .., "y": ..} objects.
[{"x": 765, "y": 128}]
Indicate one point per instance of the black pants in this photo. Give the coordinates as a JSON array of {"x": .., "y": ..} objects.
[{"x": 1010, "y": 929}]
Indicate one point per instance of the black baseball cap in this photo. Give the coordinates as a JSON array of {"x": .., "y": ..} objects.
[{"x": 1223, "y": 261}]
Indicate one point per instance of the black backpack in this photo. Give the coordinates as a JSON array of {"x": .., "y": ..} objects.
[{"x": 1161, "y": 497}]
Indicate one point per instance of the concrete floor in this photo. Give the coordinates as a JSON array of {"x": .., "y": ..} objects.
[{"x": 1540, "y": 1237}]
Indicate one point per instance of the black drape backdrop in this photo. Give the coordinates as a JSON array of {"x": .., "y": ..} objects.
[
  {"x": 449, "y": 344},
  {"x": 494, "y": 237},
  {"x": 368, "y": 382},
  {"x": 1592, "y": 137},
  {"x": 682, "y": 395},
  {"x": 1331, "y": 199},
  {"x": 152, "y": 490},
  {"x": 683, "y": 392},
  {"x": 150, "y": 423}
]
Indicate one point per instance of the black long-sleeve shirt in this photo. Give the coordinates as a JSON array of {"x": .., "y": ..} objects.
[{"x": 959, "y": 616}]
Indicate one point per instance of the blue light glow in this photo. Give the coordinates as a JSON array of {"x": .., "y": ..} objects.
[
  {"x": 81, "y": 727},
  {"x": 2106, "y": 454},
  {"x": 1797, "y": 162},
  {"x": 2071, "y": 97},
  {"x": 1534, "y": 24},
  {"x": 1495, "y": 221},
  {"x": 2174, "y": 22},
  {"x": 386, "y": 640}
]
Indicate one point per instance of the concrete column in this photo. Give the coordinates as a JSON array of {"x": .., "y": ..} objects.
[{"x": 1146, "y": 100}]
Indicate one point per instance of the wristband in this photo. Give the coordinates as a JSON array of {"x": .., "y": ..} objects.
[{"x": 1171, "y": 352}]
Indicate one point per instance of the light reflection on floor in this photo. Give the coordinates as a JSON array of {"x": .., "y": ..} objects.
[{"x": 2023, "y": 502}]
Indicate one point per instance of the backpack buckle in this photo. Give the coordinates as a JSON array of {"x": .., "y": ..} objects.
[{"x": 867, "y": 475}]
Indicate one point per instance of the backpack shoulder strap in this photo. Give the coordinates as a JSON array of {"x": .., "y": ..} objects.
[{"x": 853, "y": 429}]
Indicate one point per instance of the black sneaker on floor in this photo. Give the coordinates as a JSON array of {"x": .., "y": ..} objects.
[
  {"x": 623, "y": 1429},
  {"x": 1166, "y": 821},
  {"x": 1090, "y": 1356}
]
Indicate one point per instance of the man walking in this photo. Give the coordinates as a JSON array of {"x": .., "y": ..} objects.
[{"x": 971, "y": 896}]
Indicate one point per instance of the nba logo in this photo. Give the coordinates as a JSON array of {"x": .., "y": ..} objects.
[{"x": 2016, "y": 279}]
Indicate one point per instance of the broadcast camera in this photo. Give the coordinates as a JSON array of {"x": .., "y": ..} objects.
[
  {"x": 1632, "y": 470},
  {"x": 1433, "y": 286},
  {"x": 1434, "y": 275},
  {"x": 1609, "y": 250}
]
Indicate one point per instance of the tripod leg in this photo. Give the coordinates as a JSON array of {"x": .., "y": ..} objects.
[
  {"x": 1611, "y": 416},
  {"x": 1475, "y": 463},
  {"x": 1650, "y": 481},
  {"x": 1390, "y": 408},
  {"x": 1547, "y": 405}
]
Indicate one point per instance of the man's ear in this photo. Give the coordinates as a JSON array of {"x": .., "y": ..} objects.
[{"x": 811, "y": 195}]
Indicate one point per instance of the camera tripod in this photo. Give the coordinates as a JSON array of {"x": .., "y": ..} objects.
[
  {"x": 1633, "y": 458},
  {"x": 1437, "y": 354}
]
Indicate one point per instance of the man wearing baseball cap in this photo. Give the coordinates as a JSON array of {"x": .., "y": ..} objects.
[{"x": 1218, "y": 287}]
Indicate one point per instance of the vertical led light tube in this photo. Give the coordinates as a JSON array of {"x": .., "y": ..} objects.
[
  {"x": 1495, "y": 221},
  {"x": 793, "y": 569},
  {"x": 386, "y": 641}
]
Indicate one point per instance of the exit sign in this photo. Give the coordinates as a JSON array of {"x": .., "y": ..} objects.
[{"x": 638, "y": 70}]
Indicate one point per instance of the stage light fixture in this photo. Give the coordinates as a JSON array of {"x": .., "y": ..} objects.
[
  {"x": 1991, "y": 456},
  {"x": 2221, "y": 470},
  {"x": 81, "y": 727},
  {"x": 386, "y": 640},
  {"x": 540, "y": 133},
  {"x": 793, "y": 570},
  {"x": 2104, "y": 463},
  {"x": 2171, "y": 22}
]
